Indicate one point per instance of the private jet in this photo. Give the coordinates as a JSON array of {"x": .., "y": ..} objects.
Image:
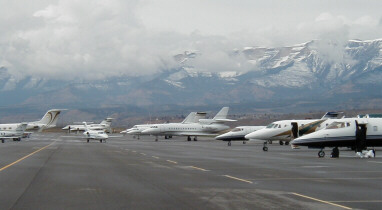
[
  {"x": 14, "y": 134},
  {"x": 284, "y": 130},
  {"x": 205, "y": 127},
  {"x": 49, "y": 120},
  {"x": 105, "y": 125},
  {"x": 238, "y": 134},
  {"x": 136, "y": 130},
  {"x": 355, "y": 133},
  {"x": 94, "y": 134}
]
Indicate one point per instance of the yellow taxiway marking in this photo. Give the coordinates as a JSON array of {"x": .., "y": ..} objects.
[
  {"x": 155, "y": 157},
  {"x": 143, "y": 154},
  {"x": 243, "y": 180},
  {"x": 172, "y": 161},
  {"x": 25, "y": 157},
  {"x": 322, "y": 201},
  {"x": 201, "y": 169}
]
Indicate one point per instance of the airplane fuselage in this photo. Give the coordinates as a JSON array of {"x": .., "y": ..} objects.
[
  {"x": 238, "y": 133},
  {"x": 342, "y": 133},
  {"x": 191, "y": 129}
]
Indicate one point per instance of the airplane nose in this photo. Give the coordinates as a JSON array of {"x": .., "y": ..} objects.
[{"x": 221, "y": 137}]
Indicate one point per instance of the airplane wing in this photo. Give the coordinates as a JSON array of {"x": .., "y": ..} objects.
[{"x": 225, "y": 120}]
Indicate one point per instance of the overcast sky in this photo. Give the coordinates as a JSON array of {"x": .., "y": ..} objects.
[{"x": 93, "y": 39}]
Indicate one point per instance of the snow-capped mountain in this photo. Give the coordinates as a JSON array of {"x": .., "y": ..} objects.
[{"x": 319, "y": 73}]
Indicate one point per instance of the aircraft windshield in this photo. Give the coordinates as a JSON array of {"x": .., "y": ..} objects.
[
  {"x": 270, "y": 125},
  {"x": 236, "y": 129},
  {"x": 337, "y": 125}
]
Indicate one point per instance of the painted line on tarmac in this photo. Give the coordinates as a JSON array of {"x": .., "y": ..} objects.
[
  {"x": 25, "y": 157},
  {"x": 302, "y": 178},
  {"x": 201, "y": 169},
  {"x": 155, "y": 157},
  {"x": 172, "y": 161},
  {"x": 134, "y": 151},
  {"x": 374, "y": 161},
  {"x": 322, "y": 201},
  {"x": 142, "y": 153},
  {"x": 243, "y": 180},
  {"x": 365, "y": 201}
]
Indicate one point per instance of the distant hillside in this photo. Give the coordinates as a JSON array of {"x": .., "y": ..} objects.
[{"x": 312, "y": 76}]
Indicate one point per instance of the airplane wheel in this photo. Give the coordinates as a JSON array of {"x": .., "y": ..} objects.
[
  {"x": 156, "y": 139},
  {"x": 188, "y": 138},
  {"x": 229, "y": 143},
  {"x": 321, "y": 154},
  {"x": 88, "y": 140},
  {"x": 195, "y": 139},
  {"x": 2, "y": 140},
  {"x": 265, "y": 149},
  {"x": 244, "y": 142},
  {"x": 281, "y": 142},
  {"x": 287, "y": 143},
  {"x": 100, "y": 140}
]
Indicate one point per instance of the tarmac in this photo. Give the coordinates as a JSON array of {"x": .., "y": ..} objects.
[{"x": 62, "y": 171}]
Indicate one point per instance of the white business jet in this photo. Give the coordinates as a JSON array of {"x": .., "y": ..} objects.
[
  {"x": 205, "y": 127},
  {"x": 14, "y": 134},
  {"x": 105, "y": 125},
  {"x": 136, "y": 130},
  {"x": 359, "y": 134},
  {"x": 94, "y": 134}
]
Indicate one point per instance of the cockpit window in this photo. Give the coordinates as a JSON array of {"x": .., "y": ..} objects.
[
  {"x": 275, "y": 126},
  {"x": 336, "y": 125},
  {"x": 236, "y": 130},
  {"x": 270, "y": 125}
]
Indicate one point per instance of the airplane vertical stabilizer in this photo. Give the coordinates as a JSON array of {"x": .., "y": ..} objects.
[
  {"x": 50, "y": 118},
  {"x": 222, "y": 114}
]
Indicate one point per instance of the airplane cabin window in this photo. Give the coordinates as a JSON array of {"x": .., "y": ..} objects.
[{"x": 279, "y": 126}]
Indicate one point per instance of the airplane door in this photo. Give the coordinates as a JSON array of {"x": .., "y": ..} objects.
[
  {"x": 360, "y": 136},
  {"x": 294, "y": 130}
]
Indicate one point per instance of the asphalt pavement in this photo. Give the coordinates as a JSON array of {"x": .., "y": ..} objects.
[{"x": 62, "y": 171}]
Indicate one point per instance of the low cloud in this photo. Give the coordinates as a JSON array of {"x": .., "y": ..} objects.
[{"x": 87, "y": 39}]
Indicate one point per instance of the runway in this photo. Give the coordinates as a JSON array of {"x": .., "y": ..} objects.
[{"x": 61, "y": 171}]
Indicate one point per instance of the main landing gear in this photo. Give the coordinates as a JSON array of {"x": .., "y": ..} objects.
[
  {"x": 244, "y": 142},
  {"x": 195, "y": 138},
  {"x": 281, "y": 142},
  {"x": 229, "y": 143},
  {"x": 265, "y": 147},
  {"x": 335, "y": 153},
  {"x": 156, "y": 138},
  {"x": 188, "y": 138}
]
